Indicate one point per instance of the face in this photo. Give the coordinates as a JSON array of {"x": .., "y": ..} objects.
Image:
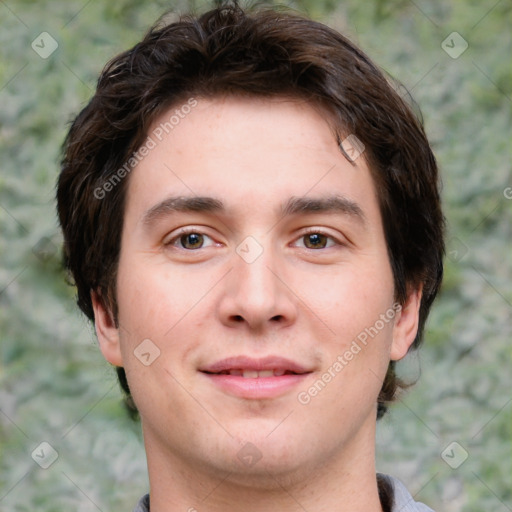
[{"x": 255, "y": 293}]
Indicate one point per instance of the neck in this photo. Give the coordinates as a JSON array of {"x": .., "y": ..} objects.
[{"x": 345, "y": 480}]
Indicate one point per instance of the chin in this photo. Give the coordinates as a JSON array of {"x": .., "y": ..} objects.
[
  {"x": 270, "y": 470},
  {"x": 262, "y": 452}
]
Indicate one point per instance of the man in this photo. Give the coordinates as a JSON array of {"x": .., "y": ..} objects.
[{"x": 252, "y": 219}]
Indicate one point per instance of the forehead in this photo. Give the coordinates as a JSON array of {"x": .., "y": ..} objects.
[{"x": 246, "y": 152}]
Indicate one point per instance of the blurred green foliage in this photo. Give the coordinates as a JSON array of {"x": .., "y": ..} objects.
[{"x": 54, "y": 384}]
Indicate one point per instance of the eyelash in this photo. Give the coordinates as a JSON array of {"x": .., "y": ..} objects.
[{"x": 309, "y": 231}]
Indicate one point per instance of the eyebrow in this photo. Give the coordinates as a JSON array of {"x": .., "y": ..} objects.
[
  {"x": 293, "y": 206},
  {"x": 329, "y": 204},
  {"x": 182, "y": 204}
]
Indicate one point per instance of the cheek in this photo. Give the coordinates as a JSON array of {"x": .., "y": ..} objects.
[
  {"x": 357, "y": 304},
  {"x": 347, "y": 388},
  {"x": 159, "y": 313},
  {"x": 153, "y": 301},
  {"x": 349, "y": 298},
  {"x": 156, "y": 314}
]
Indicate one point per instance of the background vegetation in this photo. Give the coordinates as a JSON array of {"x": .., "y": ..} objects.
[{"x": 54, "y": 385}]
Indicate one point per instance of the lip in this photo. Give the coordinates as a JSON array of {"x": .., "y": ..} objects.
[
  {"x": 258, "y": 387},
  {"x": 255, "y": 364}
]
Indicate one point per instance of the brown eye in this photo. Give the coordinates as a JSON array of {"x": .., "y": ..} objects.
[
  {"x": 315, "y": 240},
  {"x": 191, "y": 241}
]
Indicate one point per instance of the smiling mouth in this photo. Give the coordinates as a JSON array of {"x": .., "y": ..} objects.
[
  {"x": 254, "y": 374},
  {"x": 256, "y": 378}
]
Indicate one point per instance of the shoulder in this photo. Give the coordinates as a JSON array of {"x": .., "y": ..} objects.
[
  {"x": 403, "y": 501},
  {"x": 143, "y": 505}
]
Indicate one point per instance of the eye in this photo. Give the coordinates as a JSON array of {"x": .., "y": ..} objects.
[
  {"x": 189, "y": 239},
  {"x": 315, "y": 239}
]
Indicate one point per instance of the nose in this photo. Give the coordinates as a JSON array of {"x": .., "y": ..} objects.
[{"x": 257, "y": 294}]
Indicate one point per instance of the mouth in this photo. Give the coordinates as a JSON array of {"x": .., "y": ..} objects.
[
  {"x": 251, "y": 378},
  {"x": 254, "y": 374}
]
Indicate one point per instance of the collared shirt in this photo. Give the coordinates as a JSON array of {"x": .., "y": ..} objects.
[{"x": 404, "y": 502}]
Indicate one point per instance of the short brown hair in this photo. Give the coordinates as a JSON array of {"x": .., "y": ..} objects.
[{"x": 258, "y": 52}]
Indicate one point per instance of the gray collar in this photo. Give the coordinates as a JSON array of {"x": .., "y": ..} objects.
[{"x": 404, "y": 502}]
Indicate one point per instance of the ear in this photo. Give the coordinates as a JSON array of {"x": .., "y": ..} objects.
[
  {"x": 406, "y": 324},
  {"x": 106, "y": 331}
]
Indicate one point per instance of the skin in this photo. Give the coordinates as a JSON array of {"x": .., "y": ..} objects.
[{"x": 199, "y": 305}]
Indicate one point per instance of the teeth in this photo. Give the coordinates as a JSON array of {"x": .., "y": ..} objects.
[{"x": 254, "y": 374}]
